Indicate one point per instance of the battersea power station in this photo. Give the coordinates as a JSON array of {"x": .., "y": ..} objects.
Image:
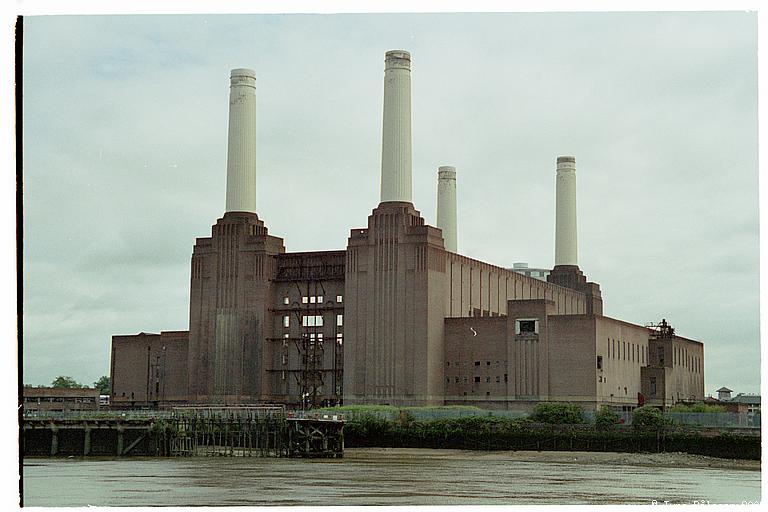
[{"x": 397, "y": 317}]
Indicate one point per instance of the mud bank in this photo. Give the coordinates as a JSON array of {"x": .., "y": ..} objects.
[{"x": 667, "y": 459}]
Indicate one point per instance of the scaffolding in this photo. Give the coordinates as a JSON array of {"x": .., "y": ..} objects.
[
  {"x": 661, "y": 330},
  {"x": 317, "y": 375}
]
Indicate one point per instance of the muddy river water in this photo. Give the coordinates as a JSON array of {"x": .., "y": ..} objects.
[{"x": 382, "y": 477}]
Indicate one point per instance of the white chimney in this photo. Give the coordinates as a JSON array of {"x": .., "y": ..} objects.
[
  {"x": 241, "y": 152},
  {"x": 446, "y": 205},
  {"x": 566, "y": 249},
  {"x": 396, "y": 132}
]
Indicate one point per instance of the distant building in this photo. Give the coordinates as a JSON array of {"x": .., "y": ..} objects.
[
  {"x": 751, "y": 401},
  {"x": 60, "y": 399},
  {"x": 727, "y": 405},
  {"x": 536, "y": 273},
  {"x": 724, "y": 393}
]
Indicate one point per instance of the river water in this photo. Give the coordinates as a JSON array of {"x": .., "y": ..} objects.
[{"x": 373, "y": 477}]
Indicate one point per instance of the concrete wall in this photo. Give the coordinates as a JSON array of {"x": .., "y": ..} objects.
[
  {"x": 229, "y": 320},
  {"x": 572, "y": 359},
  {"x": 677, "y": 368},
  {"x": 624, "y": 349},
  {"x": 475, "y": 288},
  {"x": 149, "y": 369},
  {"x": 476, "y": 359},
  {"x": 394, "y": 310}
]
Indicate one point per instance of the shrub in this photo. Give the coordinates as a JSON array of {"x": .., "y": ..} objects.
[
  {"x": 648, "y": 417},
  {"x": 367, "y": 427},
  {"x": 557, "y": 414},
  {"x": 405, "y": 419},
  {"x": 606, "y": 418},
  {"x": 697, "y": 407}
]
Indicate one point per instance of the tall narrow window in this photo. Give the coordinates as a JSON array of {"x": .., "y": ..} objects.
[
  {"x": 286, "y": 300},
  {"x": 339, "y": 320},
  {"x": 339, "y": 299},
  {"x": 287, "y": 321}
]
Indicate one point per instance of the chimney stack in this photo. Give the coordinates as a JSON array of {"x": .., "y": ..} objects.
[
  {"x": 566, "y": 249},
  {"x": 396, "y": 132},
  {"x": 241, "y": 152},
  {"x": 446, "y": 205}
]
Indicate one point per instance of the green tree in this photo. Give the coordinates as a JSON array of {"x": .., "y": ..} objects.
[
  {"x": 63, "y": 381},
  {"x": 103, "y": 385},
  {"x": 606, "y": 418},
  {"x": 648, "y": 417},
  {"x": 557, "y": 414},
  {"x": 697, "y": 407}
]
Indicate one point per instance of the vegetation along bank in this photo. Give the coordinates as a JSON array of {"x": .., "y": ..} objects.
[{"x": 559, "y": 427}]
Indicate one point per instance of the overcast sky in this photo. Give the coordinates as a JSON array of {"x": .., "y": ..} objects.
[{"x": 125, "y": 125}]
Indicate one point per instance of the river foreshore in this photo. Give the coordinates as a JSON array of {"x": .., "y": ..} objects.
[{"x": 666, "y": 459}]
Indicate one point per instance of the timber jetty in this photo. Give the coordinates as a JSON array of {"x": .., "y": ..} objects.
[{"x": 246, "y": 431}]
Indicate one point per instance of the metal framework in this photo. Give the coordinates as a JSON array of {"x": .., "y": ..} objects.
[{"x": 317, "y": 384}]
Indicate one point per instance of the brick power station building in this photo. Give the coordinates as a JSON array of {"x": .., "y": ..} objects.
[{"x": 398, "y": 317}]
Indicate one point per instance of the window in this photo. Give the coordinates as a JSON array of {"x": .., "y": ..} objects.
[
  {"x": 340, "y": 320},
  {"x": 488, "y": 363},
  {"x": 312, "y": 299},
  {"x": 286, "y": 300},
  {"x": 477, "y": 363},
  {"x": 304, "y": 300},
  {"x": 339, "y": 299},
  {"x": 505, "y": 377},
  {"x": 477, "y": 379},
  {"x": 599, "y": 362},
  {"x": 287, "y": 321},
  {"x": 653, "y": 386},
  {"x": 285, "y": 359},
  {"x": 660, "y": 355},
  {"x": 456, "y": 380},
  {"x": 447, "y": 363},
  {"x": 319, "y": 299},
  {"x": 527, "y": 326},
  {"x": 498, "y": 379},
  {"x": 339, "y": 339},
  {"x": 312, "y": 320},
  {"x": 487, "y": 380}
]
